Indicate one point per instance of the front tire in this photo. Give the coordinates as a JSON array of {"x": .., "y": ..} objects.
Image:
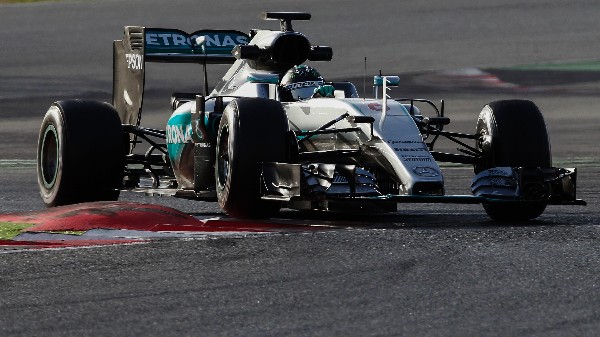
[
  {"x": 513, "y": 134},
  {"x": 80, "y": 153},
  {"x": 251, "y": 131}
]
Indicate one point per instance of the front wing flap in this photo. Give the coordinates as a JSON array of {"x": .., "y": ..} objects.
[{"x": 552, "y": 185}]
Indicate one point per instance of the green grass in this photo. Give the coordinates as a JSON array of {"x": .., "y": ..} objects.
[
  {"x": 10, "y": 230},
  {"x": 25, "y": 1},
  {"x": 589, "y": 65},
  {"x": 17, "y": 163},
  {"x": 66, "y": 232},
  {"x": 576, "y": 161}
]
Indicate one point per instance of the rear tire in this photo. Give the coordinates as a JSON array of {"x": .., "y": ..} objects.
[
  {"x": 80, "y": 153},
  {"x": 251, "y": 131},
  {"x": 514, "y": 135}
]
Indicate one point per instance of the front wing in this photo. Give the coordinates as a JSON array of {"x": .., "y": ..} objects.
[{"x": 552, "y": 186}]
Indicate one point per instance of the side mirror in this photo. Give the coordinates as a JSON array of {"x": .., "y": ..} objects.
[
  {"x": 391, "y": 81},
  {"x": 318, "y": 53},
  {"x": 246, "y": 52}
]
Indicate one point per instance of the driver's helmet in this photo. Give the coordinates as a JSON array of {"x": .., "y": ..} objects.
[{"x": 301, "y": 81}]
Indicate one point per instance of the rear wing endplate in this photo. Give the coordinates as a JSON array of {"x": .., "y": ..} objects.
[{"x": 140, "y": 45}]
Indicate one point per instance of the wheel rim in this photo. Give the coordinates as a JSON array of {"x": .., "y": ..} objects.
[
  {"x": 49, "y": 156},
  {"x": 223, "y": 158}
]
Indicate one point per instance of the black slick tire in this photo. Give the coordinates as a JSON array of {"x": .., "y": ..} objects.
[
  {"x": 251, "y": 131},
  {"x": 80, "y": 155},
  {"x": 514, "y": 134}
]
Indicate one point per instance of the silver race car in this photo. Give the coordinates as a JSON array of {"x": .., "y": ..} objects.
[{"x": 273, "y": 133}]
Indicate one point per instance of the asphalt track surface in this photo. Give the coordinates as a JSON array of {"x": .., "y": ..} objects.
[{"x": 427, "y": 270}]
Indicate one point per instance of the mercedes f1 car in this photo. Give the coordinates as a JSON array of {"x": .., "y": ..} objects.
[{"x": 257, "y": 143}]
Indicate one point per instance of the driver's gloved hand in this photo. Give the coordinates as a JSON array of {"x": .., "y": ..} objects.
[{"x": 325, "y": 90}]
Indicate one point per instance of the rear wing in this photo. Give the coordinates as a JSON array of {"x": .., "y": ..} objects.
[{"x": 140, "y": 45}]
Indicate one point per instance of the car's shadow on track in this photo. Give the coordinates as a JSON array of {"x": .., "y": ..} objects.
[{"x": 467, "y": 219}]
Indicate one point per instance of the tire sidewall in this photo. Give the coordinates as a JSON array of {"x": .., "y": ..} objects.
[
  {"x": 50, "y": 192},
  {"x": 223, "y": 184},
  {"x": 486, "y": 128}
]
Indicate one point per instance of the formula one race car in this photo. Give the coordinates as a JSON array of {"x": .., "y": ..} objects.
[{"x": 274, "y": 134}]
